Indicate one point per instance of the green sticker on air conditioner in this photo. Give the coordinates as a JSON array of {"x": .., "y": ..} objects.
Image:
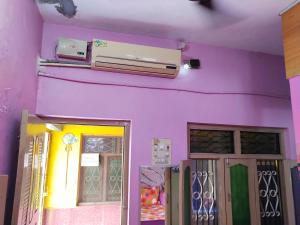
[{"x": 100, "y": 43}]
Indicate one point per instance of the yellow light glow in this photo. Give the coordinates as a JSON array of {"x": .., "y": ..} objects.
[{"x": 60, "y": 195}]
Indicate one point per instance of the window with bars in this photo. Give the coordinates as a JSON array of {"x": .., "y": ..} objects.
[
  {"x": 222, "y": 140},
  {"x": 102, "y": 183},
  {"x": 211, "y": 141},
  {"x": 204, "y": 192},
  {"x": 269, "y": 192},
  {"x": 260, "y": 142}
]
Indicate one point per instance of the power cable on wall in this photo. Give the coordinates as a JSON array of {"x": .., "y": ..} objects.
[{"x": 47, "y": 75}]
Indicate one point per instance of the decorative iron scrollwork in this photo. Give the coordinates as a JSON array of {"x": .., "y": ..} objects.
[
  {"x": 269, "y": 192},
  {"x": 204, "y": 192}
]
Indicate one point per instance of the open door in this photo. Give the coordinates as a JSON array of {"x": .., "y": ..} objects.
[
  {"x": 32, "y": 163},
  {"x": 185, "y": 192},
  {"x": 168, "y": 196}
]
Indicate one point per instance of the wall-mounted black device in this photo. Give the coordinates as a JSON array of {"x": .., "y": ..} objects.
[{"x": 194, "y": 63}]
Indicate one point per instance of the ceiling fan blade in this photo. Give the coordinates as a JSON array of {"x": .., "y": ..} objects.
[{"x": 206, "y": 3}]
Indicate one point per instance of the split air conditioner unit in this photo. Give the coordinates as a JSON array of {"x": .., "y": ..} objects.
[{"x": 135, "y": 59}]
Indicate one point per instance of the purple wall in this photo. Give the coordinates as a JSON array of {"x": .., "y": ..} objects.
[
  {"x": 20, "y": 43},
  {"x": 295, "y": 96},
  {"x": 165, "y": 112}
]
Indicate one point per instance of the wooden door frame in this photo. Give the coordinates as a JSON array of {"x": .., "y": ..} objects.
[
  {"x": 105, "y": 157},
  {"x": 168, "y": 196},
  {"x": 44, "y": 175},
  {"x": 285, "y": 165},
  {"x": 287, "y": 191},
  {"x": 18, "y": 196},
  {"x": 27, "y": 118},
  {"x": 183, "y": 165},
  {"x": 3, "y": 192}
]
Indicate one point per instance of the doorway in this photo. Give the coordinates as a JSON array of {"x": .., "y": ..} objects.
[
  {"x": 236, "y": 175},
  {"x": 72, "y": 172}
]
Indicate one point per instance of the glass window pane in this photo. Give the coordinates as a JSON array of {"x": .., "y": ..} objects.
[
  {"x": 211, "y": 141},
  {"x": 90, "y": 184},
  {"x": 269, "y": 192},
  {"x": 95, "y": 144},
  {"x": 204, "y": 195},
  {"x": 114, "y": 179},
  {"x": 102, "y": 183},
  {"x": 260, "y": 143}
]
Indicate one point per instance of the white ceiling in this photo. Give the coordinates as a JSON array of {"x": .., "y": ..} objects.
[{"x": 244, "y": 24}]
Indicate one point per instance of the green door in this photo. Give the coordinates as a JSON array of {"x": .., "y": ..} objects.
[{"x": 241, "y": 189}]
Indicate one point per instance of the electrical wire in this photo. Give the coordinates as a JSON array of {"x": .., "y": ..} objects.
[{"x": 47, "y": 75}]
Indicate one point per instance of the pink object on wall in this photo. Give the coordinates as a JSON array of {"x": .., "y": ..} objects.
[
  {"x": 165, "y": 113},
  {"x": 162, "y": 197},
  {"x": 295, "y": 96},
  {"x": 20, "y": 44}
]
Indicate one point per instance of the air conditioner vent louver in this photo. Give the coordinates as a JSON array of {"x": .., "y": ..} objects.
[{"x": 135, "y": 59}]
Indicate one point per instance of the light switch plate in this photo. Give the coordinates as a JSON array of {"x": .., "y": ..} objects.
[{"x": 161, "y": 152}]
